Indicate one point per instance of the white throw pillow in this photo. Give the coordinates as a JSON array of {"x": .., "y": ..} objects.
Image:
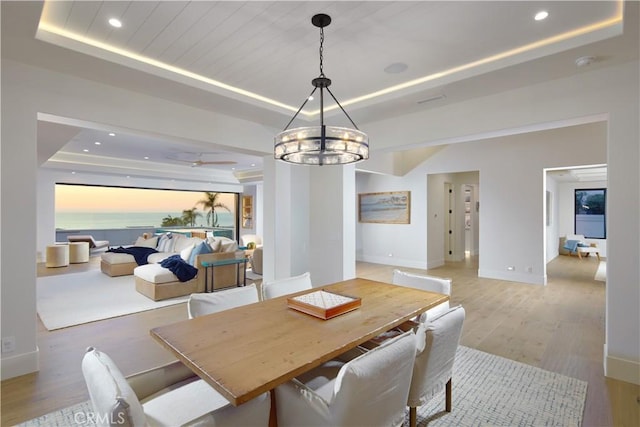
[
  {"x": 167, "y": 242},
  {"x": 216, "y": 246},
  {"x": 186, "y": 252},
  {"x": 147, "y": 243}
]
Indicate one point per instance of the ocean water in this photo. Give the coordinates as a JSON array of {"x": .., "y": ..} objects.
[{"x": 103, "y": 220}]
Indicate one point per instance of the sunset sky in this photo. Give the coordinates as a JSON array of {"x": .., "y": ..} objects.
[{"x": 79, "y": 198}]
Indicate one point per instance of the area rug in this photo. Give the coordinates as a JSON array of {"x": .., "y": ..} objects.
[
  {"x": 251, "y": 276},
  {"x": 490, "y": 390},
  {"x": 73, "y": 299},
  {"x": 487, "y": 391},
  {"x": 601, "y": 273}
]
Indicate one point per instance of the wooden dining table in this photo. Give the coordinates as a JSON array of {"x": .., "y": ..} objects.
[{"x": 249, "y": 350}]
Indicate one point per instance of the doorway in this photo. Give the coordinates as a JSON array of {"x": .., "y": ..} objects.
[{"x": 452, "y": 217}]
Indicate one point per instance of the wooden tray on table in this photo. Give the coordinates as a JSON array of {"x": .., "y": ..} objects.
[{"x": 323, "y": 304}]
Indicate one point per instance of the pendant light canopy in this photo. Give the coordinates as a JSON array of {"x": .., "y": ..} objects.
[{"x": 321, "y": 145}]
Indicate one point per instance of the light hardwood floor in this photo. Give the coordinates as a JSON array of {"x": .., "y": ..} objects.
[{"x": 559, "y": 327}]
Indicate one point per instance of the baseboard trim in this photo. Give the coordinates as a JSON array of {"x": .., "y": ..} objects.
[
  {"x": 435, "y": 263},
  {"x": 21, "y": 364},
  {"x": 621, "y": 369},
  {"x": 398, "y": 262},
  {"x": 528, "y": 278}
]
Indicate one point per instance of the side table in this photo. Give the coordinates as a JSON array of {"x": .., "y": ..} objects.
[{"x": 210, "y": 265}]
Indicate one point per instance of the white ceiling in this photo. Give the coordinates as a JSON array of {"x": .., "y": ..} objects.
[
  {"x": 257, "y": 60},
  {"x": 579, "y": 174}
]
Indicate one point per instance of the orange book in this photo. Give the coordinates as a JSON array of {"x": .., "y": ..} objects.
[{"x": 323, "y": 304}]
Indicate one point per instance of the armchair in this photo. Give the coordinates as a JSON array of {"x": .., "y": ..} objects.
[
  {"x": 370, "y": 390},
  {"x": 169, "y": 395},
  {"x": 251, "y": 238},
  {"x": 256, "y": 261},
  {"x": 575, "y": 244}
]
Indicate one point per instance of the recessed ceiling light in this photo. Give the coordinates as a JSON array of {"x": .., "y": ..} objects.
[
  {"x": 146, "y": 157},
  {"x": 583, "y": 61},
  {"x": 115, "y": 22},
  {"x": 543, "y": 14},
  {"x": 86, "y": 150},
  {"x": 97, "y": 143},
  {"x": 396, "y": 67},
  {"x": 112, "y": 134},
  {"x": 233, "y": 169},
  {"x": 73, "y": 172},
  {"x": 128, "y": 176},
  {"x": 253, "y": 164}
]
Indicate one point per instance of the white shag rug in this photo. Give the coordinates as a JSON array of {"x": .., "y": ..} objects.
[
  {"x": 601, "y": 273},
  {"x": 487, "y": 391},
  {"x": 73, "y": 299}
]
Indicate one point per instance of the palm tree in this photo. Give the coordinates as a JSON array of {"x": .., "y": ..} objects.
[
  {"x": 211, "y": 203},
  {"x": 189, "y": 216},
  {"x": 170, "y": 221}
]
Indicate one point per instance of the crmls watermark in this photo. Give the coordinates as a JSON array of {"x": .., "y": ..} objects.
[{"x": 89, "y": 418}]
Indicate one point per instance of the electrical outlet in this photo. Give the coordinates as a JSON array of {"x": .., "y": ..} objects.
[
  {"x": 529, "y": 269},
  {"x": 8, "y": 344},
  {"x": 511, "y": 268}
]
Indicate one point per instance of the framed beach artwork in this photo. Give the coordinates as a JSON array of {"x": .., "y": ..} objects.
[{"x": 392, "y": 207}]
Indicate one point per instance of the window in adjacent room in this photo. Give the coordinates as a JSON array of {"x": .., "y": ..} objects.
[{"x": 590, "y": 215}]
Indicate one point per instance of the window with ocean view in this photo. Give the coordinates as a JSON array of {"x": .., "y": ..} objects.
[{"x": 85, "y": 207}]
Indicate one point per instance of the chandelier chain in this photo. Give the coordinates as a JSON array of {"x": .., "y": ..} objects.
[{"x": 321, "y": 49}]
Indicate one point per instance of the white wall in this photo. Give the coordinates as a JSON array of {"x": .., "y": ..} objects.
[
  {"x": 403, "y": 245},
  {"x": 511, "y": 198},
  {"x": 332, "y": 225},
  {"x": 551, "y": 237},
  {"x": 609, "y": 94}
]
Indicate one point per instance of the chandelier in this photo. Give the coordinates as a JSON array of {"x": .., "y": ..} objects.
[{"x": 321, "y": 145}]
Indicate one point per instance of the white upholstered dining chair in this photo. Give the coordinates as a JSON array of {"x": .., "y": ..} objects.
[
  {"x": 436, "y": 345},
  {"x": 369, "y": 390},
  {"x": 212, "y": 302},
  {"x": 169, "y": 395},
  {"x": 286, "y": 286},
  {"x": 426, "y": 283}
]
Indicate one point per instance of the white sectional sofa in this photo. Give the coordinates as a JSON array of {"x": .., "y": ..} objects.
[
  {"x": 157, "y": 282},
  {"x": 121, "y": 264}
]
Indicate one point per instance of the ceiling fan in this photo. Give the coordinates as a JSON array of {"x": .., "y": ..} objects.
[{"x": 196, "y": 159}]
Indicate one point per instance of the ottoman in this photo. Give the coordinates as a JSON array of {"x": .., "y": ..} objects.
[
  {"x": 57, "y": 256},
  {"x": 158, "y": 283},
  {"x": 78, "y": 252},
  {"x": 115, "y": 264}
]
